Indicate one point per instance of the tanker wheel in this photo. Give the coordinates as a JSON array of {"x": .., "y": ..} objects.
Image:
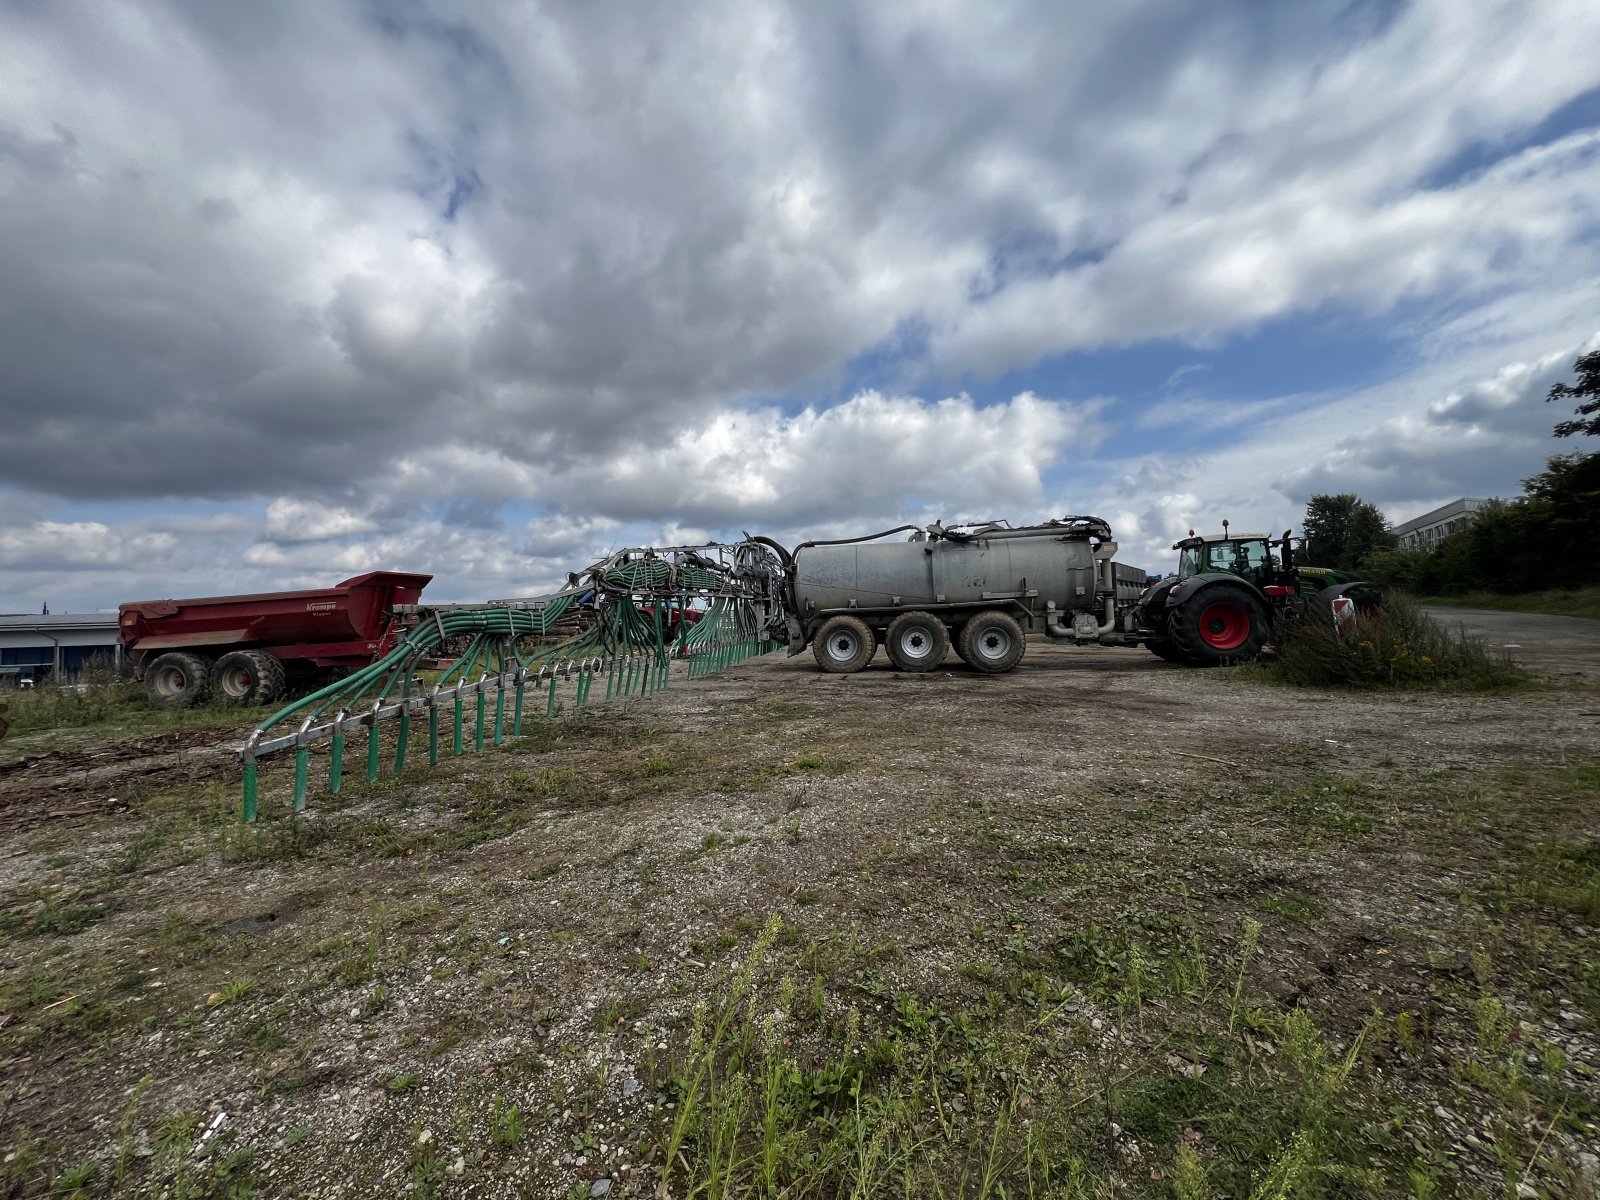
[
  {"x": 843, "y": 645},
  {"x": 917, "y": 641},
  {"x": 1218, "y": 626},
  {"x": 248, "y": 677},
  {"x": 992, "y": 642},
  {"x": 177, "y": 680}
]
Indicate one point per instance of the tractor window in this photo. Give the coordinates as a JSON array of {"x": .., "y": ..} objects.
[
  {"x": 1247, "y": 559},
  {"x": 1190, "y": 562}
]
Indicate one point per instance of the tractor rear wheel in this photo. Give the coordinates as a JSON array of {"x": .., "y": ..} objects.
[
  {"x": 177, "y": 680},
  {"x": 1218, "y": 626},
  {"x": 248, "y": 677},
  {"x": 918, "y": 641},
  {"x": 843, "y": 645},
  {"x": 991, "y": 642}
]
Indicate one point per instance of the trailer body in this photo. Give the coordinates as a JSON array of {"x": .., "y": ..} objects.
[{"x": 252, "y": 648}]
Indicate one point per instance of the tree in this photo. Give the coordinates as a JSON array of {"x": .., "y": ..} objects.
[
  {"x": 1586, "y": 389},
  {"x": 1343, "y": 530}
]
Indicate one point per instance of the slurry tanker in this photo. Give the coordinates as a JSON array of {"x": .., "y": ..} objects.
[{"x": 979, "y": 588}]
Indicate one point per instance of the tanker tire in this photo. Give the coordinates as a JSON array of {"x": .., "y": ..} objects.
[
  {"x": 1218, "y": 626},
  {"x": 177, "y": 680},
  {"x": 248, "y": 677},
  {"x": 991, "y": 642},
  {"x": 1163, "y": 648},
  {"x": 843, "y": 645},
  {"x": 917, "y": 641}
]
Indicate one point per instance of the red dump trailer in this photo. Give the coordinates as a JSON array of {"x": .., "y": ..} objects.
[{"x": 256, "y": 649}]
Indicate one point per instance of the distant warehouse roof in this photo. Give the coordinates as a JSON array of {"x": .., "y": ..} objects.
[{"x": 59, "y": 623}]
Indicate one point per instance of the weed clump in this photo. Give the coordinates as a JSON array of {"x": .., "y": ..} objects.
[{"x": 1399, "y": 647}]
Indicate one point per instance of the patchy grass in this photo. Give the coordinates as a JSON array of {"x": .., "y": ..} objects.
[
  {"x": 1571, "y": 602},
  {"x": 112, "y": 707},
  {"x": 880, "y": 963}
]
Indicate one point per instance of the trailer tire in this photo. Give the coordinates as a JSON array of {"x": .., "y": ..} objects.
[
  {"x": 991, "y": 642},
  {"x": 177, "y": 680},
  {"x": 917, "y": 641},
  {"x": 1218, "y": 626},
  {"x": 843, "y": 645},
  {"x": 248, "y": 677}
]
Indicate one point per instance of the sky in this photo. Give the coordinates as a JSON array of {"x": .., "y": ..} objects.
[{"x": 290, "y": 292}]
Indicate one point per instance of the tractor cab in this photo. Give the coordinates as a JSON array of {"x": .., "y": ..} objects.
[{"x": 1247, "y": 555}]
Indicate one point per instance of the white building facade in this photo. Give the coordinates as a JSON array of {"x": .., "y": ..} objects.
[{"x": 1431, "y": 528}]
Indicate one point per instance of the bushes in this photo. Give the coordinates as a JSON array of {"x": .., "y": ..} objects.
[
  {"x": 1542, "y": 540},
  {"x": 1401, "y": 647}
]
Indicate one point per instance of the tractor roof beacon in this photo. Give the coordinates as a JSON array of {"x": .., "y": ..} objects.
[{"x": 1234, "y": 593}]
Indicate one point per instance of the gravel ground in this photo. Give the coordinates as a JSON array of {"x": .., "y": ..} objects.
[{"x": 354, "y": 996}]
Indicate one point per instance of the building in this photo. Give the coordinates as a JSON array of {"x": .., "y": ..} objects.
[
  {"x": 1431, "y": 528},
  {"x": 58, "y": 644}
]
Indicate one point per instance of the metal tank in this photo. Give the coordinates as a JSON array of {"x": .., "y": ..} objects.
[
  {"x": 1056, "y": 578},
  {"x": 1028, "y": 565}
]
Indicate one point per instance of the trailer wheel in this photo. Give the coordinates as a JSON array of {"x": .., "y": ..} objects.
[
  {"x": 1218, "y": 626},
  {"x": 992, "y": 642},
  {"x": 843, "y": 645},
  {"x": 248, "y": 677},
  {"x": 177, "y": 680},
  {"x": 917, "y": 641}
]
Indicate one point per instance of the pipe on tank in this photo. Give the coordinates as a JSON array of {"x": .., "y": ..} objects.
[
  {"x": 1103, "y": 554},
  {"x": 1052, "y": 621}
]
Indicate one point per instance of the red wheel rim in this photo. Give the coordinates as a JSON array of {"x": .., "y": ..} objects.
[{"x": 1225, "y": 625}]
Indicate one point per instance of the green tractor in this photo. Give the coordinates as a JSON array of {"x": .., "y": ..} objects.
[{"x": 1235, "y": 593}]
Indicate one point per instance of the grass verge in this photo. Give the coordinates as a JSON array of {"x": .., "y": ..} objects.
[{"x": 1574, "y": 602}]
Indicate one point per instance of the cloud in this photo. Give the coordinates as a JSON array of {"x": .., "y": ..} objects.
[
  {"x": 291, "y": 520},
  {"x": 563, "y": 233},
  {"x": 389, "y": 278},
  {"x": 1456, "y": 446}
]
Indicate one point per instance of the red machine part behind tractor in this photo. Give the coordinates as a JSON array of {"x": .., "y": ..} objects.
[{"x": 256, "y": 649}]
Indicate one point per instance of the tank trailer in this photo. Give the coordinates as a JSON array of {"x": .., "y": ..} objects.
[
  {"x": 979, "y": 588},
  {"x": 982, "y": 588}
]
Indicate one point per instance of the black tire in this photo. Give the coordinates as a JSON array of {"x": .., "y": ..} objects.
[
  {"x": 917, "y": 641},
  {"x": 843, "y": 645},
  {"x": 992, "y": 642},
  {"x": 1221, "y": 624},
  {"x": 1163, "y": 648},
  {"x": 177, "y": 680},
  {"x": 248, "y": 677}
]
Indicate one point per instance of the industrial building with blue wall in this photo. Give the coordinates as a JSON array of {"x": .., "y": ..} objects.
[{"x": 33, "y": 646}]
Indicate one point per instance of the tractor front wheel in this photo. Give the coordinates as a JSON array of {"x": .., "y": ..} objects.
[
  {"x": 1164, "y": 649},
  {"x": 1218, "y": 626}
]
